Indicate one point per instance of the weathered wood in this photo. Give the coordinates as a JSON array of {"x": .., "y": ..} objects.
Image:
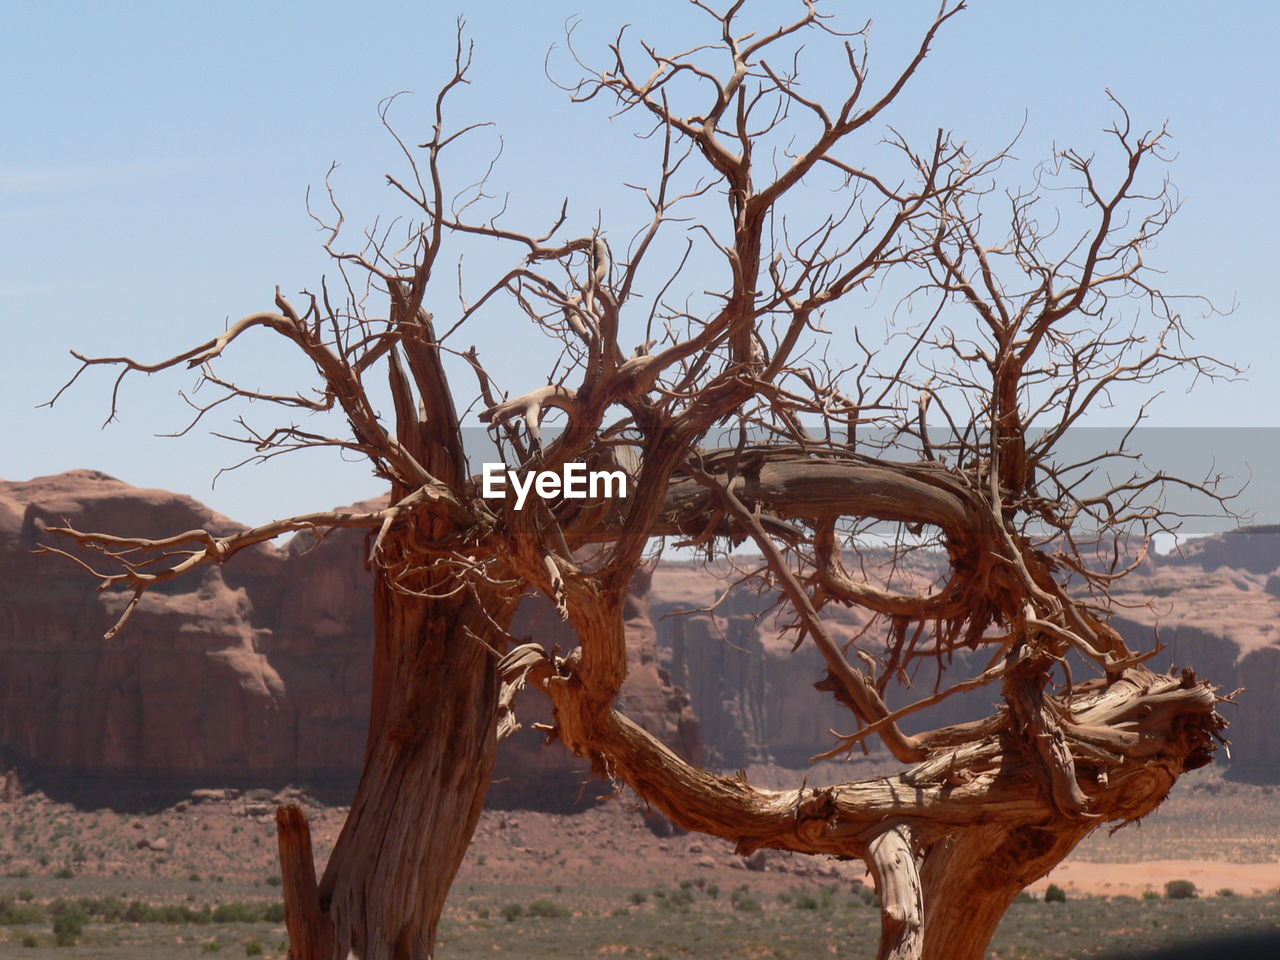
[
  {"x": 892, "y": 862},
  {"x": 310, "y": 933},
  {"x": 427, "y": 769}
]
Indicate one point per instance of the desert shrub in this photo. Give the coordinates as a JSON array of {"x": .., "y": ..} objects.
[
  {"x": 1180, "y": 890},
  {"x": 1055, "y": 894},
  {"x": 1225, "y": 892},
  {"x": 274, "y": 880},
  {"x": 236, "y": 913},
  {"x": 805, "y": 902},
  {"x": 512, "y": 911},
  {"x": 213, "y": 946},
  {"x": 26, "y": 895},
  {"x": 253, "y": 949},
  {"x": 1025, "y": 896},
  {"x": 193, "y": 877},
  {"x": 15, "y": 914},
  {"x": 1150, "y": 895},
  {"x": 68, "y": 926},
  {"x": 747, "y": 904},
  {"x": 30, "y": 941},
  {"x": 110, "y": 909},
  {"x": 638, "y": 897},
  {"x": 63, "y": 873},
  {"x": 273, "y": 913},
  {"x": 547, "y": 908},
  {"x": 686, "y": 884},
  {"x": 20, "y": 874},
  {"x": 619, "y": 912},
  {"x": 713, "y": 891}
]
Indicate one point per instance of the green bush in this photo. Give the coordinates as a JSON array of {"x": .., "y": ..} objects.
[
  {"x": 638, "y": 897},
  {"x": 26, "y": 895},
  {"x": 547, "y": 908},
  {"x": 747, "y": 904},
  {"x": 1180, "y": 890},
  {"x": 236, "y": 913},
  {"x": 512, "y": 911},
  {"x": 213, "y": 946},
  {"x": 139, "y": 912},
  {"x": 1055, "y": 894},
  {"x": 1150, "y": 895},
  {"x": 110, "y": 909},
  {"x": 274, "y": 913},
  {"x": 805, "y": 902},
  {"x": 68, "y": 926},
  {"x": 16, "y": 914},
  {"x": 253, "y": 949},
  {"x": 63, "y": 873},
  {"x": 1225, "y": 892},
  {"x": 30, "y": 941}
]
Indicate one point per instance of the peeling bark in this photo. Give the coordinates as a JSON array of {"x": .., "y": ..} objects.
[
  {"x": 892, "y": 862},
  {"x": 427, "y": 769}
]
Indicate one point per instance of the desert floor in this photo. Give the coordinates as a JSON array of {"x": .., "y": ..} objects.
[{"x": 608, "y": 881}]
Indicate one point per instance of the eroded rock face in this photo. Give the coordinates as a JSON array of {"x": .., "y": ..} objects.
[
  {"x": 257, "y": 673},
  {"x": 220, "y": 677},
  {"x": 755, "y": 703},
  {"x": 253, "y": 673}
]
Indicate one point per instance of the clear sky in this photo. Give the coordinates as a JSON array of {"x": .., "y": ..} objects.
[{"x": 154, "y": 159}]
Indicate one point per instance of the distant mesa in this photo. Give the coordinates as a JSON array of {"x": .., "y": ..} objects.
[{"x": 256, "y": 673}]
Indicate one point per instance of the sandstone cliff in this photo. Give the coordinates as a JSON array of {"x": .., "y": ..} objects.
[{"x": 256, "y": 674}]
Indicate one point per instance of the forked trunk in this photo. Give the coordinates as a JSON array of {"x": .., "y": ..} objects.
[
  {"x": 970, "y": 878},
  {"x": 427, "y": 768}
]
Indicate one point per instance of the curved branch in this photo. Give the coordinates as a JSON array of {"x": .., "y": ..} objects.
[{"x": 936, "y": 606}]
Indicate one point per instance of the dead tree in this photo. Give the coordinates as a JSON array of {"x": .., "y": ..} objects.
[{"x": 1023, "y": 333}]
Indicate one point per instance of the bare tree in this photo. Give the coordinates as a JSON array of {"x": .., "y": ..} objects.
[{"x": 1025, "y": 329}]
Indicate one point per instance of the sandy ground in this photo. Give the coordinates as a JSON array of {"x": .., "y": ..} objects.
[
  {"x": 1218, "y": 834},
  {"x": 1133, "y": 879}
]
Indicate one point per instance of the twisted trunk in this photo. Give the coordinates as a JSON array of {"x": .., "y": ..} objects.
[
  {"x": 427, "y": 768},
  {"x": 952, "y": 841},
  {"x": 970, "y": 878}
]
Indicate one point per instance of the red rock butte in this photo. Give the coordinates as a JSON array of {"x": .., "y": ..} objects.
[{"x": 256, "y": 673}]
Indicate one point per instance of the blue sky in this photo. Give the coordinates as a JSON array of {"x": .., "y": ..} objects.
[{"x": 155, "y": 157}]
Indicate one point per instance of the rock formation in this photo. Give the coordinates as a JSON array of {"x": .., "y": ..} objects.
[{"x": 257, "y": 673}]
